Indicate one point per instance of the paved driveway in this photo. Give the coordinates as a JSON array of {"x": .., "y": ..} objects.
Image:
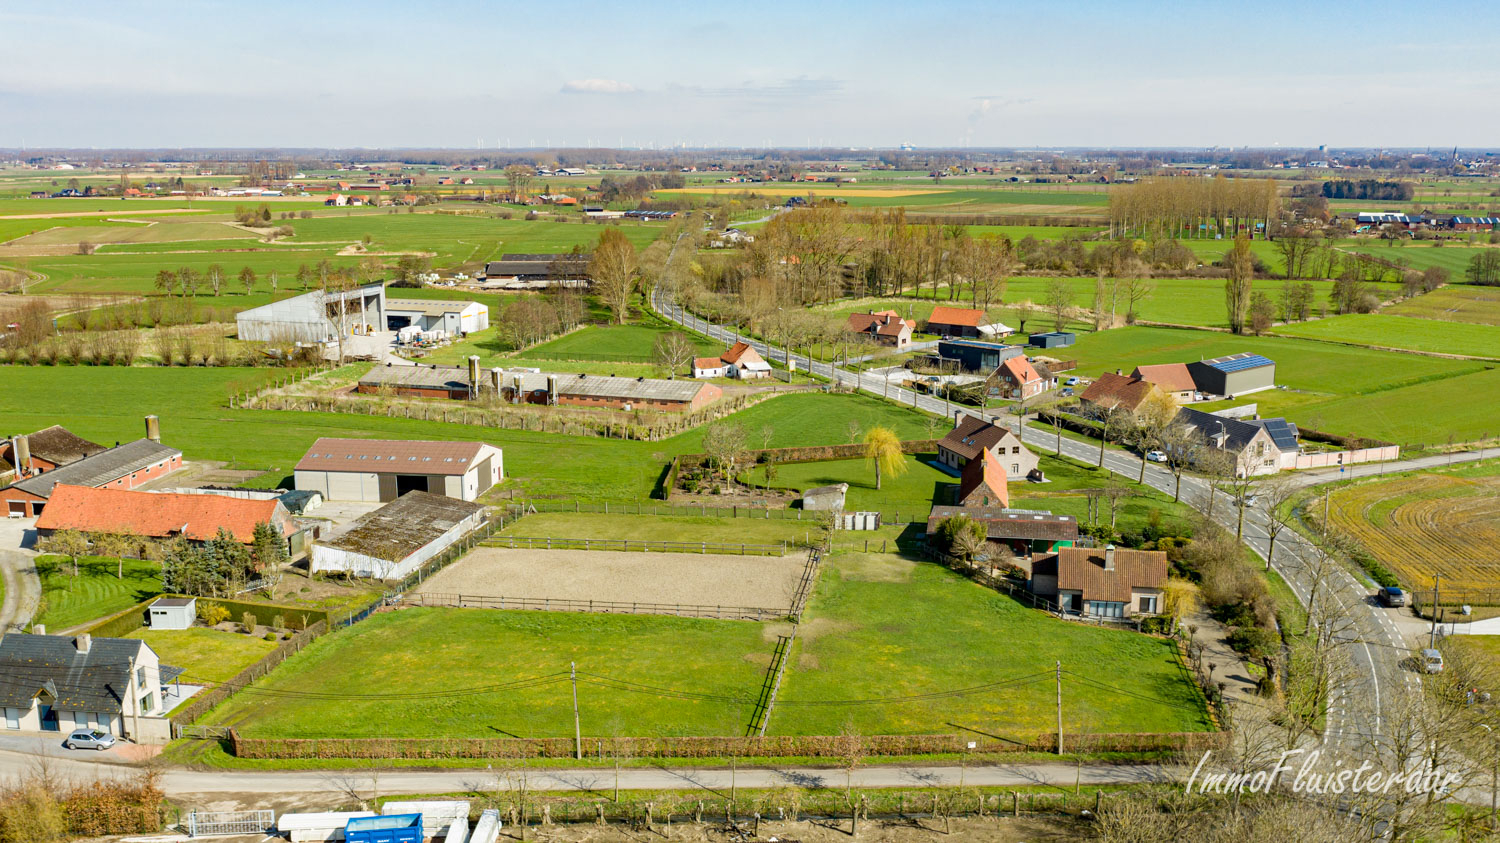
[{"x": 23, "y": 588}]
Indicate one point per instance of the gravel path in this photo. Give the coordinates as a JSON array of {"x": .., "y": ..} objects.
[{"x": 688, "y": 578}]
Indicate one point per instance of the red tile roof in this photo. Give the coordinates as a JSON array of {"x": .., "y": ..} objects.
[
  {"x": 707, "y": 363},
  {"x": 737, "y": 351},
  {"x": 156, "y": 514},
  {"x": 1117, "y": 392},
  {"x": 1082, "y": 569},
  {"x": 945, "y": 315},
  {"x": 1021, "y": 369},
  {"x": 883, "y": 322},
  {"x": 1173, "y": 377},
  {"x": 983, "y": 483}
]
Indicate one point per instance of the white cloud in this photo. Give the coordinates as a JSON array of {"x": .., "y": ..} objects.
[{"x": 597, "y": 86}]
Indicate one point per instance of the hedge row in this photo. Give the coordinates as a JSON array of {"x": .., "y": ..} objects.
[
  {"x": 779, "y": 746},
  {"x": 128, "y": 621},
  {"x": 818, "y": 453}
]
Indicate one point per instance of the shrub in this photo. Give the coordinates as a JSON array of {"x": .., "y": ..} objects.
[
  {"x": 213, "y": 614},
  {"x": 278, "y": 622},
  {"x": 270, "y": 636},
  {"x": 1254, "y": 641},
  {"x": 247, "y": 622}
]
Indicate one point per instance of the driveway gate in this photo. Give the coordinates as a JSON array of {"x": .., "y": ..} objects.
[{"x": 225, "y": 823}]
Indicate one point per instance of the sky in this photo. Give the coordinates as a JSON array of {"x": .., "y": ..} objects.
[{"x": 134, "y": 73}]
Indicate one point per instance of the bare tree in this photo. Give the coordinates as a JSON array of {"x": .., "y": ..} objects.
[
  {"x": 1237, "y": 287},
  {"x": 1276, "y": 494},
  {"x": 1059, "y": 302},
  {"x": 612, "y": 270},
  {"x": 672, "y": 351},
  {"x": 724, "y": 443}
]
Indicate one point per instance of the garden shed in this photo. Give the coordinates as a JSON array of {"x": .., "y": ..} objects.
[{"x": 172, "y": 612}]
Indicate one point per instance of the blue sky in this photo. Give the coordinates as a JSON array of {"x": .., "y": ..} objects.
[{"x": 459, "y": 74}]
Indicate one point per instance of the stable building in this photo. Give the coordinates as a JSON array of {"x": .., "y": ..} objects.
[
  {"x": 454, "y": 317},
  {"x": 122, "y": 467},
  {"x": 1234, "y": 374},
  {"x": 49, "y": 448},
  {"x": 316, "y": 317},
  {"x": 1022, "y": 532},
  {"x": 545, "y": 388},
  {"x": 386, "y": 469},
  {"x": 394, "y": 540}
]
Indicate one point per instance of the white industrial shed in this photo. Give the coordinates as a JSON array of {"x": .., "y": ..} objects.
[
  {"x": 319, "y": 316},
  {"x": 386, "y": 469},
  {"x": 397, "y": 538},
  {"x": 455, "y": 317}
]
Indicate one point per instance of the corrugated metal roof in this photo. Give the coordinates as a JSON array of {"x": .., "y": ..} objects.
[
  {"x": 390, "y": 456},
  {"x": 101, "y": 468},
  {"x": 433, "y": 307},
  {"x": 404, "y": 526}
]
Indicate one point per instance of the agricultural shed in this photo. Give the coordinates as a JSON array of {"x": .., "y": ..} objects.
[
  {"x": 158, "y": 515},
  {"x": 1023, "y": 531},
  {"x": 547, "y": 388},
  {"x": 539, "y": 267},
  {"x": 455, "y": 317},
  {"x": 386, "y": 469},
  {"x": 48, "y": 448},
  {"x": 1234, "y": 374},
  {"x": 318, "y": 316},
  {"x": 172, "y": 612},
  {"x": 397, "y": 538},
  {"x": 1052, "y": 339},
  {"x": 121, "y": 467},
  {"x": 825, "y": 498}
]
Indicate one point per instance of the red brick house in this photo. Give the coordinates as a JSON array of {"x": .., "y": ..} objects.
[
  {"x": 885, "y": 326},
  {"x": 1018, "y": 378},
  {"x": 122, "y": 467},
  {"x": 983, "y": 483},
  {"x": 1115, "y": 392}
]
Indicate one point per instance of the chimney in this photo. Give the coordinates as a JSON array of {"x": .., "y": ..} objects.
[
  {"x": 1120, "y": 372},
  {"x": 958, "y": 417},
  {"x": 83, "y": 642},
  {"x": 21, "y": 454},
  {"x": 153, "y": 428},
  {"x": 1109, "y": 557}
]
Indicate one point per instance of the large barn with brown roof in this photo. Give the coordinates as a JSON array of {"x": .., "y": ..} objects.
[{"x": 386, "y": 469}]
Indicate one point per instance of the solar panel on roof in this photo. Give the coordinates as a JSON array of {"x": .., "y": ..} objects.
[
  {"x": 1239, "y": 364},
  {"x": 1281, "y": 433}
]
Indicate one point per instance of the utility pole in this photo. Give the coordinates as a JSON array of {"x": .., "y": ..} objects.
[
  {"x": 1432, "y": 636},
  {"x": 1059, "y": 708},
  {"x": 577, "y": 731}
]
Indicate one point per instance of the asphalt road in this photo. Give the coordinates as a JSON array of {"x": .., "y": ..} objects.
[{"x": 1357, "y": 710}]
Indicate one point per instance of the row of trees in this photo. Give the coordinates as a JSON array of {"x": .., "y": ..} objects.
[
  {"x": 1193, "y": 207},
  {"x": 222, "y": 566},
  {"x": 531, "y": 319}
]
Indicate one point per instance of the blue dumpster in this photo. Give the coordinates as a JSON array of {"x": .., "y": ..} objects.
[{"x": 396, "y": 828}]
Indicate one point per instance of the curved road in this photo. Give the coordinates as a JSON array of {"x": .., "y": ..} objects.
[{"x": 1356, "y": 713}]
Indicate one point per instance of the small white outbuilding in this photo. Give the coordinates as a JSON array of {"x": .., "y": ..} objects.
[{"x": 173, "y": 612}]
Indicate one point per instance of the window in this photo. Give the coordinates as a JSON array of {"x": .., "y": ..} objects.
[
  {"x": 12, "y": 718},
  {"x": 1148, "y": 604},
  {"x": 140, "y": 676},
  {"x": 1015, "y": 468},
  {"x": 1015, "y": 449},
  {"x": 148, "y": 702},
  {"x": 1106, "y": 609}
]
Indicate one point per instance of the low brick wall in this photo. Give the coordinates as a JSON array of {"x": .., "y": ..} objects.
[{"x": 779, "y": 746}]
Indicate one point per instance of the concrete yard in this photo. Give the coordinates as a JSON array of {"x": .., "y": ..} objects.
[{"x": 623, "y": 577}]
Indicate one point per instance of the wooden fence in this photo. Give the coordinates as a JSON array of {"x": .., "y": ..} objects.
[
  {"x": 641, "y": 545},
  {"x": 205, "y": 701},
  {"x": 553, "y": 604}
]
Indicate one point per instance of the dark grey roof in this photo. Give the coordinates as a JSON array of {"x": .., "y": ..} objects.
[
  {"x": 538, "y": 266},
  {"x": 173, "y": 601},
  {"x": 1236, "y": 433},
  {"x": 100, "y": 468},
  {"x": 60, "y": 446},
  {"x": 92, "y": 681},
  {"x": 1282, "y": 432},
  {"x": 404, "y": 526}
]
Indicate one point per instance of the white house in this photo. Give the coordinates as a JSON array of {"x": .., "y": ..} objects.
[
  {"x": 57, "y": 683},
  {"x": 740, "y": 361}
]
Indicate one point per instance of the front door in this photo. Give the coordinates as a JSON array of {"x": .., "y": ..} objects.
[
  {"x": 1077, "y": 603},
  {"x": 49, "y": 719}
]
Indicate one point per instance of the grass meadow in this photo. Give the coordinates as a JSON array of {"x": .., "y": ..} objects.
[
  {"x": 1384, "y": 329},
  {"x": 208, "y": 655},
  {"x": 69, "y": 601},
  {"x": 1453, "y": 303}
]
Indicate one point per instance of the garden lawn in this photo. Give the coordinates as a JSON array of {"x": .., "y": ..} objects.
[
  {"x": 69, "y": 601},
  {"x": 106, "y": 404},
  {"x": 1381, "y": 329},
  {"x": 208, "y": 655},
  {"x": 881, "y": 626},
  {"x": 374, "y": 672},
  {"x": 674, "y": 528},
  {"x": 911, "y": 494}
]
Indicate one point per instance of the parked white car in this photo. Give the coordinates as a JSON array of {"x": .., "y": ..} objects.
[
  {"x": 90, "y": 739},
  {"x": 1156, "y": 456}
]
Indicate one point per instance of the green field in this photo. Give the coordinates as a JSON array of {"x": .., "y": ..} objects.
[
  {"x": 1381, "y": 329},
  {"x": 1343, "y": 389},
  {"x": 882, "y": 626},
  {"x": 208, "y": 655},
  {"x": 626, "y": 343},
  {"x": 107, "y": 404},
  {"x": 374, "y": 672},
  {"x": 1420, "y": 255},
  {"x": 69, "y": 601},
  {"x": 1453, "y": 303}
]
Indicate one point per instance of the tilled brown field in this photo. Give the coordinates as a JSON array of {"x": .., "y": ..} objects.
[{"x": 622, "y": 577}]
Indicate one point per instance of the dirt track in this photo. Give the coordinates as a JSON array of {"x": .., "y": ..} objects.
[{"x": 685, "y": 578}]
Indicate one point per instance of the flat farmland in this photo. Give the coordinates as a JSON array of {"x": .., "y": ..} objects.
[
  {"x": 1427, "y": 524},
  {"x": 689, "y": 579},
  {"x": 135, "y": 232},
  {"x": 1420, "y": 255},
  {"x": 789, "y": 189},
  {"x": 1383, "y": 329},
  {"x": 1453, "y": 303},
  {"x": 627, "y": 343}
]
